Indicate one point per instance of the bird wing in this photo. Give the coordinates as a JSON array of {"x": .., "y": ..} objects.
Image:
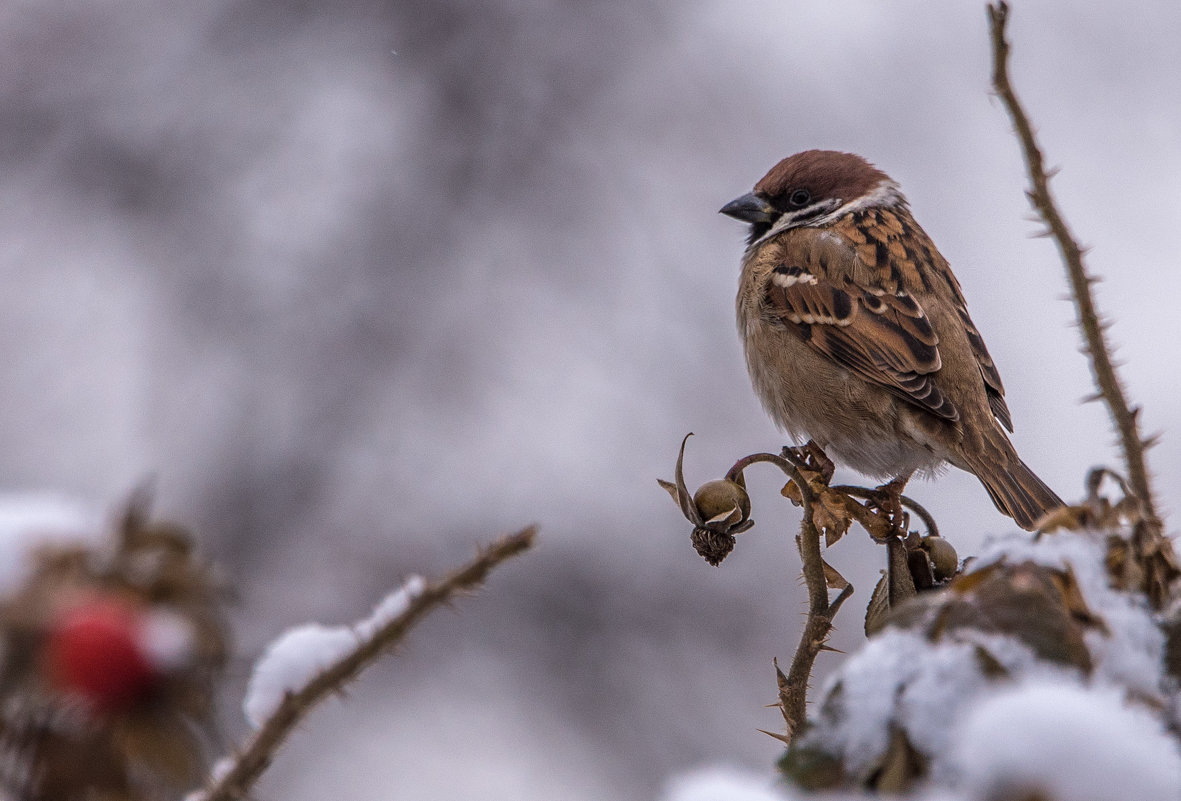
[
  {"x": 892, "y": 246},
  {"x": 881, "y": 252},
  {"x": 876, "y": 330},
  {"x": 992, "y": 378}
]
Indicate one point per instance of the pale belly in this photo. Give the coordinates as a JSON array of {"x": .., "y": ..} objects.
[{"x": 858, "y": 424}]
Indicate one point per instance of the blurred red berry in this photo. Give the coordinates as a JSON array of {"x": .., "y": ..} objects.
[{"x": 94, "y": 652}]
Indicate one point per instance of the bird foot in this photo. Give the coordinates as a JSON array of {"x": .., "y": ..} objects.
[
  {"x": 812, "y": 457},
  {"x": 888, "y": 500}
]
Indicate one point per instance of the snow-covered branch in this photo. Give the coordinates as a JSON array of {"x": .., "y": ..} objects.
[{"x": 311, "y": 662}]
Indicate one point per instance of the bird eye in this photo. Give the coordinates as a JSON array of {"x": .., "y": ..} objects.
[{"x": 800, "y": 198}]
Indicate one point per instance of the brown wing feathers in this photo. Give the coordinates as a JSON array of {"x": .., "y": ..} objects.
[
  {"x": 892, "y": 243},
  {"x": 884, "y": 337}
]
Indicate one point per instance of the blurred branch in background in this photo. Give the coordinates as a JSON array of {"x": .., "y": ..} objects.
[
  {"x": 113, "y": 644},
  {"x": 307, "y": 664}
]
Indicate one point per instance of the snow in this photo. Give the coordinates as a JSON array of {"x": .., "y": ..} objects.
[
  {"x": 1066, "y": 743},
  {"x": 291, "y": 662},
  {"x": 1071, "y": 735},
  {"x": 32, "y": 520},
  {"x": 302, "y": 653},
  {"x": 390, "y": 607},
  {"x": 901, "y": 678},
  {"x": 1130, "y": 653},
  {"x": 168, "y": 637},
  {"x": 724, "y": 783}
]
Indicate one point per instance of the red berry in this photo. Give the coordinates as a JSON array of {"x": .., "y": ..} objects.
[{"x": 94, "y": 652}]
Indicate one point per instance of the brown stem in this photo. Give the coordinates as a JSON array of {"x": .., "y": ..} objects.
[
  {"x": 256, "y": 755},
  {"x": 908, "y": 502},
  {"x": 793, "y": 688},
  {"x": 735, "y": 472},
  {"x": 1102, "y": 367},
  {"x": 793, "y": 693}
]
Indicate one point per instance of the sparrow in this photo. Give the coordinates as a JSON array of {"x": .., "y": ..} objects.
[{"x": 857, "y": 335}]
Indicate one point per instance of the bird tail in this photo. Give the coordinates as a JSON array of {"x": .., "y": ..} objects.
[{"x": 1014, "y": 488}]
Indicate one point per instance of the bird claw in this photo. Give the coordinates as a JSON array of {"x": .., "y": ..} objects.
[
  {"x": 812, "y": 457},
  {"x": 887, "y": 500}
]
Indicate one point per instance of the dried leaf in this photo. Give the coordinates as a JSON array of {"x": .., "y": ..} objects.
[
  {"x": 901, "y": 584},
  {"x": 1072, "y": 598},
  {"x": 683, "y": 497},
  {"x": 725, "y": 520},
  {"x": 832, "y": 516},
  {"x": 1029, "y": 602},
  {"x": 833, "y": 578},
  {"x": 989, "y": 665},
  {"x": 878, "y": 610},
  {"x": 901, "y": 766},
  {"x": 792, "y": 493}
]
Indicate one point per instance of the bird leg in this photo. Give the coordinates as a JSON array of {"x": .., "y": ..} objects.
[{"x": 813, "y": 458}]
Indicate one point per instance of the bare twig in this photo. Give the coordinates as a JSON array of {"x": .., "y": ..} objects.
[
  {"x": 256, "y": 755},
  {"x": 1102, "y": 367},
  {"x": 735, "y": 472},
  {"x": 1153, "y": 549}
]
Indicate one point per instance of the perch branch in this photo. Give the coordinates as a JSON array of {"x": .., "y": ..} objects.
[
  {"x": 906, "y": 501},
  {"x": 254, "y": 758},
  {"x": 793, "y": 688},
  {"x": 793, "y": 693}
]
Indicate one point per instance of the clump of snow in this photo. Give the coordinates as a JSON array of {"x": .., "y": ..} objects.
[
  {"x": 1066, "y": 743},
  {"x": 304, "y": 652},
  {"x": 390, "y": 607},
  {"x": 902, "y": 679},
  {"x": 169, "y": 638},
  {"x": 33, "y": 520},
  {"x": 290, "y": 662},
  {"x": 723, "y": 783},
  {"x": 1130, "y": 652}
]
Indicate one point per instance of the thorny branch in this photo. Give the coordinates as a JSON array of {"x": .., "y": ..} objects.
[
  {"x": 256, "y": 756},
  {"x": 793, "y": 688},
  {"x": 1154, "y": 548},
  {"x": 1106, "y": 378},
  {"x": 793, "y": 693}
]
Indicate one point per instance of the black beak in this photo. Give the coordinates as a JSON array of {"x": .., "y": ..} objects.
[{"x": 750, "y": 208}]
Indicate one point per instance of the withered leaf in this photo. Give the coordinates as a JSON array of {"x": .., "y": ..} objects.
[
  {"x": 1072, "y": 598},
  {"x": 901, "y": 766},
  {"x": 792, "y": 493},
  {"x": 833, "y": 578},
  {"x": 878, "y": 610},
  {"x": 832, "y": 516}
]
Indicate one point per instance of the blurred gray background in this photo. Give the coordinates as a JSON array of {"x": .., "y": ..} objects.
[{"x": 363, "y": 284}]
